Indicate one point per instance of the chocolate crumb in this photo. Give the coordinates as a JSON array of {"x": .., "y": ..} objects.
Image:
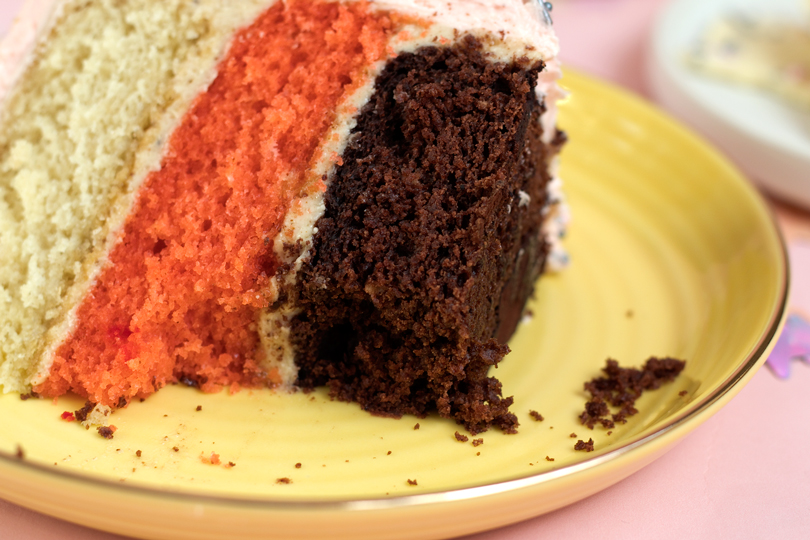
[
  {"x": 106, "y": 431},
  {"x": 176, "y": 449},
  {"x": 610, "y": 433},
  {"x": 411, "y": 482},
  {"x": 389, "y": 453},
  {"x": 621, "y": 387},
  {"x": 536, "y": 416},
  {"x": 582, "y": 445},
  {"x": 20, "y": 452},
  {"x": 461, "y": 438},
  {"x": 284, "y": 480},
  {"x": 478, "y": 453},
  {"x": 682, "y": 393},
  {"x": 25, "y": 397},
  {"x": 573, "y": 435},
  {"x": 138, "y": 453},
  {"x": 477, "y": 442},
  {"x": 297, "y": 465},
  {"x": 199, "y": 407},
  {"x": 549, "y": 458},
  {"x": 81, "y": 414},
  {"x": 231, "y": 464},
  {"x": 416, "y": 426}
]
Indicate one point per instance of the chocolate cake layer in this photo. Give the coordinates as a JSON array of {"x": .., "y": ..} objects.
[{"x": 431, "y": 240}]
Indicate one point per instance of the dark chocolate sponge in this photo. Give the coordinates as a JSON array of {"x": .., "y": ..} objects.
[{"x": 430, "y": 243}]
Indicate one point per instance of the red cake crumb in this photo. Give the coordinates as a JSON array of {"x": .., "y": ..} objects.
[
  {"x": 230, "y": 465},
  {"x": 213, "y": 460},
  {"x": 536, "y": 416},
  {"x": 461, "y": 438},
  {"x": 586, "y": 446},
  {"x": 68, "y": 416},
  {"x": 621, "y": 387}
]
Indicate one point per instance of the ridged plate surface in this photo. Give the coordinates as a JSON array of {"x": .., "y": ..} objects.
[{"x": 673, "y": 253}]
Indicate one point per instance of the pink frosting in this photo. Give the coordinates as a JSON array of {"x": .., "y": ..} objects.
[{"x": 17, "y": 46}]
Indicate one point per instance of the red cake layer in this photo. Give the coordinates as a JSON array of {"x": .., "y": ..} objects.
[{"x": 178, "y": 299}]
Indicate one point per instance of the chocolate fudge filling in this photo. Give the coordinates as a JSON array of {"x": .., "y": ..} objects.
[{"x": 430, "y": 243}]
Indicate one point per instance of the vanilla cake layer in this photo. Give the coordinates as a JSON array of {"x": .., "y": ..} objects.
[{"x": 169, "y": 184}]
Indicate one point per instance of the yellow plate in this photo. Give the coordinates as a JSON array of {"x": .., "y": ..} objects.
[{"x": 673, "y": 254}]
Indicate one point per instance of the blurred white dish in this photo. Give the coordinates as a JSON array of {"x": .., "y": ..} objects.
[{"x": 767, "y": 137}]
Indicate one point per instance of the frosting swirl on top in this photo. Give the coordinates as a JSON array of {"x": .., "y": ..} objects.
[{"x": 523, "y": 21}]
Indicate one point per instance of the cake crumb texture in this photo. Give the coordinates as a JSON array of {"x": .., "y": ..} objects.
[
  {"x": 621, "y": 387},
  {"x": 71, "y": 135},
  {"x": 180, "y": 297}
]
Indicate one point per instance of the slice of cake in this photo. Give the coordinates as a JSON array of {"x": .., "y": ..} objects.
[{"x": 354, "y": 194}]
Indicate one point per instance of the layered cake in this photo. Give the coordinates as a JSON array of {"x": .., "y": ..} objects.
[{"x": 299, "y": 193}]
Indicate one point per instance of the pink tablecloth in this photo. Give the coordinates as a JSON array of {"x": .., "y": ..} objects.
[{"x": 743, "y": 474}]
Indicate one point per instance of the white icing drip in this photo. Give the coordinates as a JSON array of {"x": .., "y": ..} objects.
[
  {"x": 525, "y": 198},
  {"x": 550, "y": 91},
  {"x": 555, "y": 225}
]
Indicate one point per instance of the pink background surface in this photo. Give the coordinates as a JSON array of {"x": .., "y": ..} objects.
[{"x": 745, "y": 473}]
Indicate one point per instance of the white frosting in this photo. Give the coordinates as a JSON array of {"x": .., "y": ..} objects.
[{"x": 555, "y": 224}]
